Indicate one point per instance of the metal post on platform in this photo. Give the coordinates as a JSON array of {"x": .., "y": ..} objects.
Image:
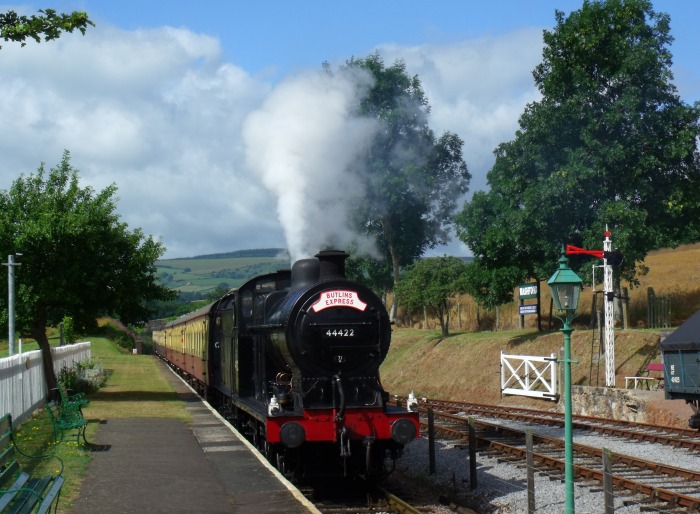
[
  {"x": 11, "y": 301},
  {"x": 473, "y": 482},
  {"x": 565, "y": 287},
  {"x": 531, "y": 509},
  {"x": 431, "y": 441}
]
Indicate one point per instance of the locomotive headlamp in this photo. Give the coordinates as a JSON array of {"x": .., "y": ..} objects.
[
  {"x": 403, "y": 431},
  {"x": 292, "y": 434},
  {"x": 273, "y": 407},
  {"x": 412, "y": 402}
]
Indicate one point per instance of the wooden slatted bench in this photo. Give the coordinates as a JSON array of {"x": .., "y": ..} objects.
[{"x": 21, "y": 493}]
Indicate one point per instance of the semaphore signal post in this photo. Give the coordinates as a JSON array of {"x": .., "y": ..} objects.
[{"x": 608, "y": 256}]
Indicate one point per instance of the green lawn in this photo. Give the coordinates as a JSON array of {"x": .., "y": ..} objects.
[{"x": 135, "y": 388}]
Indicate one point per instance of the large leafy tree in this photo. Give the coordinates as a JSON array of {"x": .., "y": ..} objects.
[
  {"x": 78, "y": 259},
  {"x": 414, "y": 178},
  {"x": 432, "y": 283},
  {"x": 610, "y": 143},
  {"x": 48, "y": 24}
]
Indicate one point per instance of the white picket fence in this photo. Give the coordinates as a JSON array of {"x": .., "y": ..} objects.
[{"x": 22, "y": 385}]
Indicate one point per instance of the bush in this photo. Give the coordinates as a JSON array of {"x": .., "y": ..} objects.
[
  {"x": 69, "y": 335},
  {"x": 118, "y": 333},
  {"x": 84, "y": 377}
]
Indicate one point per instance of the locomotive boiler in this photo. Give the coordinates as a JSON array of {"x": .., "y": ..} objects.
[{"x": 292, "y": 358}]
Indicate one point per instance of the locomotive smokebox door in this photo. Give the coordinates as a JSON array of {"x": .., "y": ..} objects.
[{"x": 340, "y": 332}]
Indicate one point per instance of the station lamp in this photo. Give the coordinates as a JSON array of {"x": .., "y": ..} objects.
[{"x": 565, "y": 287}]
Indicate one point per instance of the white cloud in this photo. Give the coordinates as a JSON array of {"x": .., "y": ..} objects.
[
  {"x": 159, "y": 113},
  {"x": 155, "y": 112},
  {"x": 477, "y": 89}
]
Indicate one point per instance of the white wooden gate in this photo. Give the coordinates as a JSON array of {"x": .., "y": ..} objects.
[{"x": 526, "y": 375}]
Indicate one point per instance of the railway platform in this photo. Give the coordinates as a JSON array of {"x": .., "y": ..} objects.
[{"x": 160, "y": 465}]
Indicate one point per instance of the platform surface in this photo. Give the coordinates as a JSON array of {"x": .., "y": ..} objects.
[{"x": 160, "y": 465}]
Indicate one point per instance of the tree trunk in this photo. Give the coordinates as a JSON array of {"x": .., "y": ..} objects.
[
  {"x": 459, "y": 315},
  {"x": 447, "y": 318},
  {"x": 39, "y": 334},
  {"x": 443, "y": 326},
  {"x": 395, "y": 267}
]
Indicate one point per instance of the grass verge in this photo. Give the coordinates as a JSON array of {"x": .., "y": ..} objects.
[{"x": 135, "y": 388}]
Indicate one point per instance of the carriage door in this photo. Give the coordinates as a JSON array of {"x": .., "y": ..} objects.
[{"x": 217, "y": 336}]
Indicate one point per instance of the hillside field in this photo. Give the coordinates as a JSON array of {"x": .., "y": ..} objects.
[
  {"x": 466, "y": 365},
  {"x": 200, "y": 275}
]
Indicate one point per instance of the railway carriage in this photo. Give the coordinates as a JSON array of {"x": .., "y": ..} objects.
[
  {"x": 292, "y": 358},
  {"x": 681, "y": 356}
]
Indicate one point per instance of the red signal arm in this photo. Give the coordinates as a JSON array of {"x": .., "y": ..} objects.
[{"x": 574, "y": 250}]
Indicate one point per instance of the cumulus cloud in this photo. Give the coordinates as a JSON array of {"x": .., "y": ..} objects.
[
  {"x": 211, "y": 159},
  {"x": 156, "y": 112},
  {"x": 477, "y": 89}
]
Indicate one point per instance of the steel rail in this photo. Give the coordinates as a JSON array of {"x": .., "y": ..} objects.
[
  {"x": 600, "y": 425},
  {"x": 397, "y": 504},
  {"x": 652, "y": 492}
]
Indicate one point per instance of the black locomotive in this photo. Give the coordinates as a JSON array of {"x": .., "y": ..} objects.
[{"x": 293, "y": 358}]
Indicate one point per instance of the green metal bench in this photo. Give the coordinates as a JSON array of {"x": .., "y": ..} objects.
[
  {"x": 67, "y": 416},
  {"x": 76, "y": 398},
  {"x": 21, "y": 493}
]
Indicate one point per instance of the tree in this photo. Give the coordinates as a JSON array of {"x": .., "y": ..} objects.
[
  {"x": 490, "y": 287},
  {"x": 609, "y": 144},
  {"x": 373, "y": 273},
  {"x": 414, "y": 179},
  {"x": 77, "y": 260},
  {"x": 18, "y": 28},
  {"x": 431, "y": 283}
]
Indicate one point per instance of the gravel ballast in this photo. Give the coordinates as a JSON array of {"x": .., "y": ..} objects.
[{"x": 502, "y": 487}]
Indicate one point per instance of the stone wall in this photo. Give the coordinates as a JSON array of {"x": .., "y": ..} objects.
[{"x": 607, "y": 402}]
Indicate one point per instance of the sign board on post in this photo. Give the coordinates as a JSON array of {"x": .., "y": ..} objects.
[
  {"x": 526, "y": 292},
  {"x": 528, "y": 309}
]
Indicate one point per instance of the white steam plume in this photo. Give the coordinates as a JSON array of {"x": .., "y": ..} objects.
[{"x": 303, "y": 143}]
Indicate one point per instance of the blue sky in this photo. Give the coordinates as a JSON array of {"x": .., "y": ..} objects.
[{"x": 208, "y": 115}]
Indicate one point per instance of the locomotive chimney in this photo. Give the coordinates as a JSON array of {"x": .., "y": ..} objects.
[
  {"x": 332, "y": 264},
  {"x": 304, "y": 273}
]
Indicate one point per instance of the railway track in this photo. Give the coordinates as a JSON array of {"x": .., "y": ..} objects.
[
  {"x": 660, "y": 486},
  {"x": 644, "y": 432},
  {"x": 361, "y": 499}
]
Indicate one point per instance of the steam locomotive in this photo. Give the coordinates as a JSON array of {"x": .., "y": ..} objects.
[{"x": 292, "y": 359}]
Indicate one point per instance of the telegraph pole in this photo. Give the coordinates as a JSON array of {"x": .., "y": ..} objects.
[{"x": 11, "y": 300}]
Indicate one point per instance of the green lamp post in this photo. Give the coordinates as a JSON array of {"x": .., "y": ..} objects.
[{"x": 565, "y": 286}]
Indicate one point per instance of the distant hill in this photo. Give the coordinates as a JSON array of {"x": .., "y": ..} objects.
[
  {"x": 258, "y": 252},
  {"x": 205, "y": 273}
]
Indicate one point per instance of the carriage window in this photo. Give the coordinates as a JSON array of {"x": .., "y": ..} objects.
[
  {"x": 247, "y": 303},
  {"x": 266, "y": 287}
]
